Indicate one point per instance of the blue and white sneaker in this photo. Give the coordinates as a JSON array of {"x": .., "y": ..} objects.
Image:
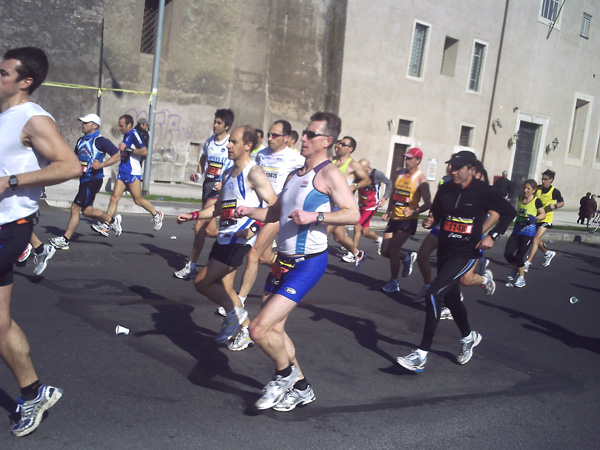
[
  {"x": 412, "y": 362},
  {"x": 32, "y": 411}
]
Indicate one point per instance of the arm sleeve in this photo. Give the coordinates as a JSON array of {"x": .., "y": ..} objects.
[
  {"x": 557, "y": 196},
  {"x": 538, "y": 203},
  {"x": 106, "y": 146},
  {"x": 380, "y": 178},
  {"x": 137, "y": 140}
]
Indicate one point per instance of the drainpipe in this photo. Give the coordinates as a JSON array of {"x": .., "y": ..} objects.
[{"x": 489, "y": 121}]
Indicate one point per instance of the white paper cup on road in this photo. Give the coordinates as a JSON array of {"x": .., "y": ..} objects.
[{"x": 121, "y": 330}]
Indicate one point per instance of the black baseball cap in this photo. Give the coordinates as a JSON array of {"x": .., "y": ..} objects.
[{"x": 462, "y": 158}]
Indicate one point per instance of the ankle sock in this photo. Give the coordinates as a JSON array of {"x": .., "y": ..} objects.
[
  {"x": 285, "y": 372},
  {"x": 30, "y": 392},
  {"x": 301, "y": 385}
]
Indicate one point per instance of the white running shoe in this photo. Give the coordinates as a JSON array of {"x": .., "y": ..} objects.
[
  {"x": 359, "y": 260},
  {"x": 548, "y": 257},
  {"x": 275, "y": 390},
  {"x": 295, "y": 397},
  {"x": 59, "y": 242},
  {"x": 186, "y": 273},
  {"x": 520, "y": 282},
  {"x": 412, "y": 362},
  {"x": 25, "y": 254},
  {"x": 32, "y": 411},
  {"x": 117, "y": 226},
  {"x": 408, "y": 262},
  {"x": 101, "y": 228},
  {"x": 349, "y": 258},
  {"x": 391, "y": 286},
  {"x": 446, "y": 314},
  {"x": 41, "y": 261},
  {"x": 241, "y": 342},
  {"x": 158, "y": 220},
  {"x": 467, "y": 344},
  {"x": 379, "y": 242},
  {"x": 490, "y": 286}
]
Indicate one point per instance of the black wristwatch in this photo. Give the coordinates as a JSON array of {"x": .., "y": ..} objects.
[
  {"x": 254, "y": 228},
  {"x": 13, "y": 182},
  {"x": 320, "y": 218},
  {"x": 494, "y": 235}
]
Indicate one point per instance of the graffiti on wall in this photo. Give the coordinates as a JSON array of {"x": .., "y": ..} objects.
[{"x": 167, "y": 127}]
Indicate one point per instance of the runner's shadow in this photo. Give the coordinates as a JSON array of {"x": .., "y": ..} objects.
[
  {"x": 364, "y": 330},
  {"x": 9, "y": 404},
  {"x": 551, "y": 329},
  {"x": 174, "y": 321},
  {"x": 172, "y": 258}
]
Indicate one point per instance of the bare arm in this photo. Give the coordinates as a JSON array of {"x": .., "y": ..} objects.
[
  {"x": 261, "y": 184},
  {"x": 360, "y": 176},
  {"x": 109, "y": 162},
  {"x": 41, "y": 134}
]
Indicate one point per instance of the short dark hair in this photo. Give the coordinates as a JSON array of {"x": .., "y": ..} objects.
[
  {"x": 260, "y": 132},
  {"x": 249, "y": 136},
  {"x": 285, "y": 127},
  {"x": 333, "y": 125},
  {"x": 128, "y": 119},
  {"x": 352, "y": 142},
  {"x": 549, "y": 173},
  {"x": 294, "y": 136},
  {"x": 226, "y": 115},
  {"x": 480, "y": 169},
  {"x": 531, "y": 183},
  {"x": 34, "y": 65}
]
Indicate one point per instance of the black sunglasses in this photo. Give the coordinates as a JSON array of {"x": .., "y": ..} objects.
[
  {"x": 311, "y": 134},
  {"x": 275, "y": 135}
]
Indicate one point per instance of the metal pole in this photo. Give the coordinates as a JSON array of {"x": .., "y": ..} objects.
[{"x": 155, "y": 70}]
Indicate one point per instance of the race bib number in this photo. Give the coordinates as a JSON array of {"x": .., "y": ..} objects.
[
  {"x": 214, "y": 170},
  {"x": 458, "y": 226},
  {"x": 401, "y": 197},
  {"x": 227, "y": 210}
]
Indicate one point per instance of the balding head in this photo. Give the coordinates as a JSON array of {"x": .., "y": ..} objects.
[{"x": 366, "y": 165}]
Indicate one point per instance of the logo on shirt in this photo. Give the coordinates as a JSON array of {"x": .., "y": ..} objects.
[
  {"x": 290, "y": 290},
  {"x": 304, "y": 184}
]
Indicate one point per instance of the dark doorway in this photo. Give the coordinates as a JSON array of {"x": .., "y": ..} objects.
[
  {"x": 523, "y": 155},
  {"x": 398, "y": 160}
]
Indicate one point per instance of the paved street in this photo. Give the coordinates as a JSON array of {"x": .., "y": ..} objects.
[{"x": 532, "y": 382}]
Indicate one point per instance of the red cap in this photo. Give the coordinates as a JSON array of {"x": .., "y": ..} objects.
[{"x": 414, "y": 153}]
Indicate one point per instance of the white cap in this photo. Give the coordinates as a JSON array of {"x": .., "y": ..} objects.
[{"x": 91, "y": 118}]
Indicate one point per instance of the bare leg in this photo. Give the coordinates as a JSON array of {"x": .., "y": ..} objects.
[
  {"x": 392, "y": 244},
  {"x": 537, "y": 243},
  {"x": 135, "y": 190},
  {"x": 117, "y": 192},
  {"x": 262, "y": 245},
  {"x": 428, "y": 245}
]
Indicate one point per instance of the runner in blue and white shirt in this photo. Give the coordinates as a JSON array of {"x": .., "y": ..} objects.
[{"x": 133, "y": 150}]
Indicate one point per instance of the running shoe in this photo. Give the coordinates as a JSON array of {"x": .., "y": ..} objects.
[
  {"x": 59, "y": 242},
  {"x": 391, "y": 286},
  {"x": 514, "y": 275},
  {"x": 241, "y": 342},
  {"x": 527, "y": 266},
  {"x": 32, "y": 411},
  {"x": 446, "y": 314},
  {"x": 158, "y": 220},
  {"x": 186, "y": 273},
  {"x": 295, "y": 397},
  {"x": 359, "y": 260},
  {"x": 25, "y": 254},
  {"x": 221, "y": 311},
  {"x": 117, "y": 226},
  {"x": 349, "y": 258},
  {"x": 467, "y": 344},
  {"x": 548, "y": 257},
  {"x": 420, "y": 297},
  {"x": 275, "y": 390},
  {"x": 412, "y": 362},
  {"x": 490, "y": 286},
  {"x": 407, "y": 264},
  {"x": 101, "y": 228},
  {"x": 520, "y": 282},
  {"x": 41, "y": 261},
  {"x": 231, "y": 324},
  {"x": 483, "y": 265}
]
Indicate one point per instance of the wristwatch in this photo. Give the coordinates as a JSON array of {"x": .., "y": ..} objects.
[
  {"x": 13, "y": 182},
  {"x": 320, "y": 218},
  {"x": 355, "y": 186},
  {"x": 494, "y": 235}
]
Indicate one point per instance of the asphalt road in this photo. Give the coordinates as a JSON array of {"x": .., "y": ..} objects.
[{"x": 532, "y": 382}]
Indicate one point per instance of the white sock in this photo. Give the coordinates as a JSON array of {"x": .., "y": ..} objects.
[
  {"x": 486, "y": 279},
  {"x": 357, "y": 252},
  {"x": 422, "y": 353},
  {"x": 379, "y": 240},
  {"x": 242, "y": 299}
]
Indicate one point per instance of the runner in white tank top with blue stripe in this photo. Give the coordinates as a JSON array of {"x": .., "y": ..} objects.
[{"x": 303, "y": 211}]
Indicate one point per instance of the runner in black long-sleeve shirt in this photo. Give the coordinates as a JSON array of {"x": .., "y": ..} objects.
[{"x": 460, "y": 207}]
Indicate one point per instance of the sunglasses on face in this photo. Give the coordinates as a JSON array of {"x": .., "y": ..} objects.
[
  {"x": 275, "y": 135},
  {"x": 343, "y": 144},
  {"x": 312, "y": 134}
]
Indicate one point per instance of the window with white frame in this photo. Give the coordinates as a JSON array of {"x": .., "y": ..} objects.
[
  {"x": 404, "y": 127},
  {"x": 550, "y": 9},
  {"x": 579, "y": 128},
  {"x": 466, "y": 136},
  {"x": 477, "y": 61},
  {"x": 417, "y": 54},
  {"x": 585, "y": 26}
]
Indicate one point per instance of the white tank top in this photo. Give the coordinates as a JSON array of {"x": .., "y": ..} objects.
[
  {"x": 15, "y": 158},
  {"x": 278, "y": 165},
  {"x": 236, "y": 192},
  {"x": 300, "y": 193}
]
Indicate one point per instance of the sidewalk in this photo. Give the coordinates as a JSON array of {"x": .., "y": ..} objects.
[{"x": 61, "y": 196}]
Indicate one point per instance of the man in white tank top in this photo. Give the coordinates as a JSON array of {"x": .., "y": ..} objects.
[
  {"x": 278, "y": 161},
  {"x": 244, "y": 184},
  {"x": 29, "y": 141},
  {"x": 304, "y": 211}
]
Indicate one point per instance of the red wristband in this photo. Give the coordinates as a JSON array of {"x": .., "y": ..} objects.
[{"x": 195, "y": 215}]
